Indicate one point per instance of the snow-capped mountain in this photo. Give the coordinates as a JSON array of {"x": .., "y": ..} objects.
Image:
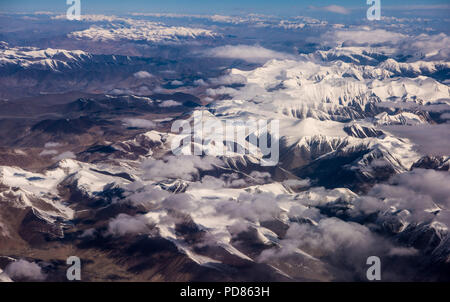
[
  {"x": 93, "y": 163},
  {"x": 143, "y": 31},
  {"x": 57, "y": 60},
  {"x": 23, "y": 68},
  {"x": 331, "y": 109},
  {"x": 44, "y": 59}
]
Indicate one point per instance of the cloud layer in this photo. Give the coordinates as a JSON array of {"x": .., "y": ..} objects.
[{"x": 249, "y": 53}]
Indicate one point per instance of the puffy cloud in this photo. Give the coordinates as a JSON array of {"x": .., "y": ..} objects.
[
  {"x": 52, "y": 145},
  {"x": 221, "y": 91},
  {"x": 44, "y": 13},
  {"x": 431, "y": 182},
  {"x": 403, "y": 251},
  {"x": 176, "y": 83},
  {"x": 261, "y": 177},
  {"x": 229, "y": 79},
  {"x": 142, "y": 75},
  {"x": 48, "y": 152},
  {"x": 367, "y": 205},
  {"x": 232, "y": 180},
  {"x": 223, "y": 215},
  {"x": 169, "y": 103},
  {"x": 445, "y": 116},
  {"x": 418, "y": 47},
  {"x": 200, "y": 82},
  {"x": 411, "y": 196},
  {"x": 346, "y": 245},
  {"x": 331, "y": 235},
  {"x": 141, "y": 194},
  {"x": 252, "y": 207},
  {"x": 183, "y": 166},
  {"x": 180, "y": 202},
  {"x": 361, "y": 36},
  {"x": 299, "y": 211},
  {"x": 22, "y": 269},
  {"x": 429, "y": 139},
  {"x": 336, "y": 9},
  {"x": 138, "y": 123},
  {"x": 417, "y": 193},
  {"x": 65, "y": 155},
  {"x": 118, "y": 91},
  {"x": 208, "y": 182},
  {"x": 297, "y": 183},
  {"x": 4, "y": 229},
  {"x": 4, "y": 277},
  {"x": 89, "y": 233},
  {"x": 124, "y": 224},
  {"x": 333, "y": 9},
  {"x": 254, "y": 54},
  {"x": 420, "y": 181},
  {"x": 433, "y": 47}
]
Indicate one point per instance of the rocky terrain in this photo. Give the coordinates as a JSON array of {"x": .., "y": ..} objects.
[{"x": 91, "y": 166}]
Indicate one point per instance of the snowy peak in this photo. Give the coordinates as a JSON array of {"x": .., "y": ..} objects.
[
  {"x": 139, "y": 30},
  {"x": 31, "y": 57}
]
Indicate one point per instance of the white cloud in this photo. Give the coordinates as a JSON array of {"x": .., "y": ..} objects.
[
  {"x": 419, "y": 47},
  {"x": 199, "y": 82},
  {"x": 124, "y": 224},
  {"x": 251, "y": 207},
  {"x": 445, "y": 116},
  {"x": 403, "y": 251},
  {"x": 64, "y": 155},
  {"x": 138, "y": 123},
  {"x": 335, "y": 9},
  {"x": 429, "y": 139},
  {"x": 141, "y": 194},
  {"x": 184, "y": 167},
  {"x": 4, "y": 277},
  {"x": 221, "y": 91},
  {"x": 89, "y": 233},
  {"x": 52, "y": 145},
  {"x": 345, "y": 245},
  {"x": 360, "y": 35},
  {"x": 24, "y": 269},
  {"x": 169, "y": 103},
  {"x": 229, "y": 79},
  {"x": 44, "y": 13},
  {"x": 419, "y": 192},
  {"x": 429, "y": 182},
  {"x": 48, "y": 152},
  {"x": 176, "y": 83},
  {"x": 143, "y": 75},
  {"x": 433, "y": 47},
  {"x": 254, "y": 54}
]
